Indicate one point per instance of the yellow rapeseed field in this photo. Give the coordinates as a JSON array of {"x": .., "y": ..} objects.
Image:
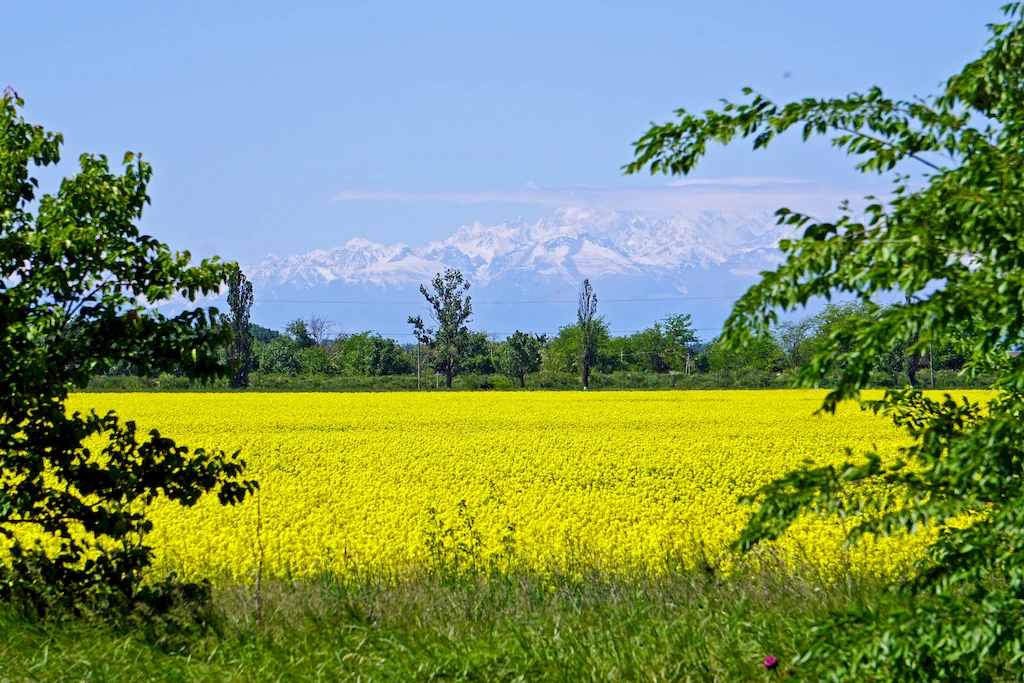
[{"x": 627, "y": 479}]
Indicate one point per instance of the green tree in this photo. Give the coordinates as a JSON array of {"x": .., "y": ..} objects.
[
  {"x": 586, "y": 311},
  {"x": 240, "y": 351},
  {"x": 796, "y": 339},
  {"x": 519, "y": 355},
  {"x": 298, "y": 330},
  {"x": 72, "y": 279},
  {"x": 649, "y": 350},
  {"x": 263, "y": 334},
  {"x": 800, "y": 340},
  {"x": 620, "y": 351},
  {"x": 477, "y": 355},
  {"x": 450, "y": 309},
  {"x": 892, "y": 363},
  {"x": 952, "y": 242},
  {"x": 760, "y": 354},
  {"x": 950, "y": 354},
  {"x": 280, "y": 355},
  {"x": 837, "y": 319},
  {"x": 561, "y": 352},
  {"x": 368, "y": 353},
  {"x": 314, "y": 361},
  {"x": 681, "y": 338}
]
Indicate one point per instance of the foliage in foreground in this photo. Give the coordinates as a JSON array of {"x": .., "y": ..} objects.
[
  {"x": 488, "y": 627},
  {"x": 73, "y": 279},
  {"x": 955, "y": 250}
]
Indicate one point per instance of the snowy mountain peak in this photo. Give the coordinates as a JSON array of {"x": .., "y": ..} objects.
[
  {"x": 362, "y": 243},
  {"x": 686, "y": 262},
  {"x": 565, "y": 246}
]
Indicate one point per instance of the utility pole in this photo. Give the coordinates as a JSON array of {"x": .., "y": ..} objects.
[{"x": 417, "y": 363}]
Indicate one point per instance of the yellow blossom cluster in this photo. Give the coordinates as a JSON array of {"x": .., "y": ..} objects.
[{"x": 384, "y": 481}]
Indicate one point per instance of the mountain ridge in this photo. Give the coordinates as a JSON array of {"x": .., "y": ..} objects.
[
  {"x": 625, "y": 255},
  {"x": 570, "y": 243}
]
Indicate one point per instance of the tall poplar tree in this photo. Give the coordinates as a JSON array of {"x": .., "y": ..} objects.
[
  {"x": 519, "y": 355},
  {"x": 586, "y": 311},
  {"x": 240, "y": 351}
]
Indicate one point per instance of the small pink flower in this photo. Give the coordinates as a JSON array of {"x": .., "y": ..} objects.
[{"x": 770, "y": 662}]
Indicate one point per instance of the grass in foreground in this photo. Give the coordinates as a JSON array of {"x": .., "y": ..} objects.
[{"x": 506, "y": 627}]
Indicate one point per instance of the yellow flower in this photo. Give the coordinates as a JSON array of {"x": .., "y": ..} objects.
[{"x": 555, "y": 480}]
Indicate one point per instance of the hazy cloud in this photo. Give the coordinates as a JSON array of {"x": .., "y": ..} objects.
[
  {"x": 738, "y": 181},
  {"x": 727, "y": 194}
]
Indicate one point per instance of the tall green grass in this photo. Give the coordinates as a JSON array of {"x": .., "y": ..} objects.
[{"x": 431, "y": 626}]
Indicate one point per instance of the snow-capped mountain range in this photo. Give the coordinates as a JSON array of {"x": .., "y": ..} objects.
[{"x": 684, "y": 263}]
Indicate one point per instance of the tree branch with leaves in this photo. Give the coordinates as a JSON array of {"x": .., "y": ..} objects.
[
  {"x": 78, "y": 289},
  {"x": 950, "y": 240}
]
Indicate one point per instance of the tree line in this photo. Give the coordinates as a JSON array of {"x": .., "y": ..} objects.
[{"x": 445, "y": 346}]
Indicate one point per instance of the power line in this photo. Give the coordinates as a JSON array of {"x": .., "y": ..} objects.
[
  {"x": 488, "y": 332},
  {"x": 548, "y": 301}
]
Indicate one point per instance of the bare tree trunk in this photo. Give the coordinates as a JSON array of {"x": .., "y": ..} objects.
[
  {"x": 913, "y": 359},
  {"x": 449, "y": 367},
  {"x": 912, "y": 363},
  {"x": 522, "y": 378},
  {"x": 586, "y": 375}
]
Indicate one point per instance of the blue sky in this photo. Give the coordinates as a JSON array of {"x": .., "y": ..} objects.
[{"x": 257, "y": 115}]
